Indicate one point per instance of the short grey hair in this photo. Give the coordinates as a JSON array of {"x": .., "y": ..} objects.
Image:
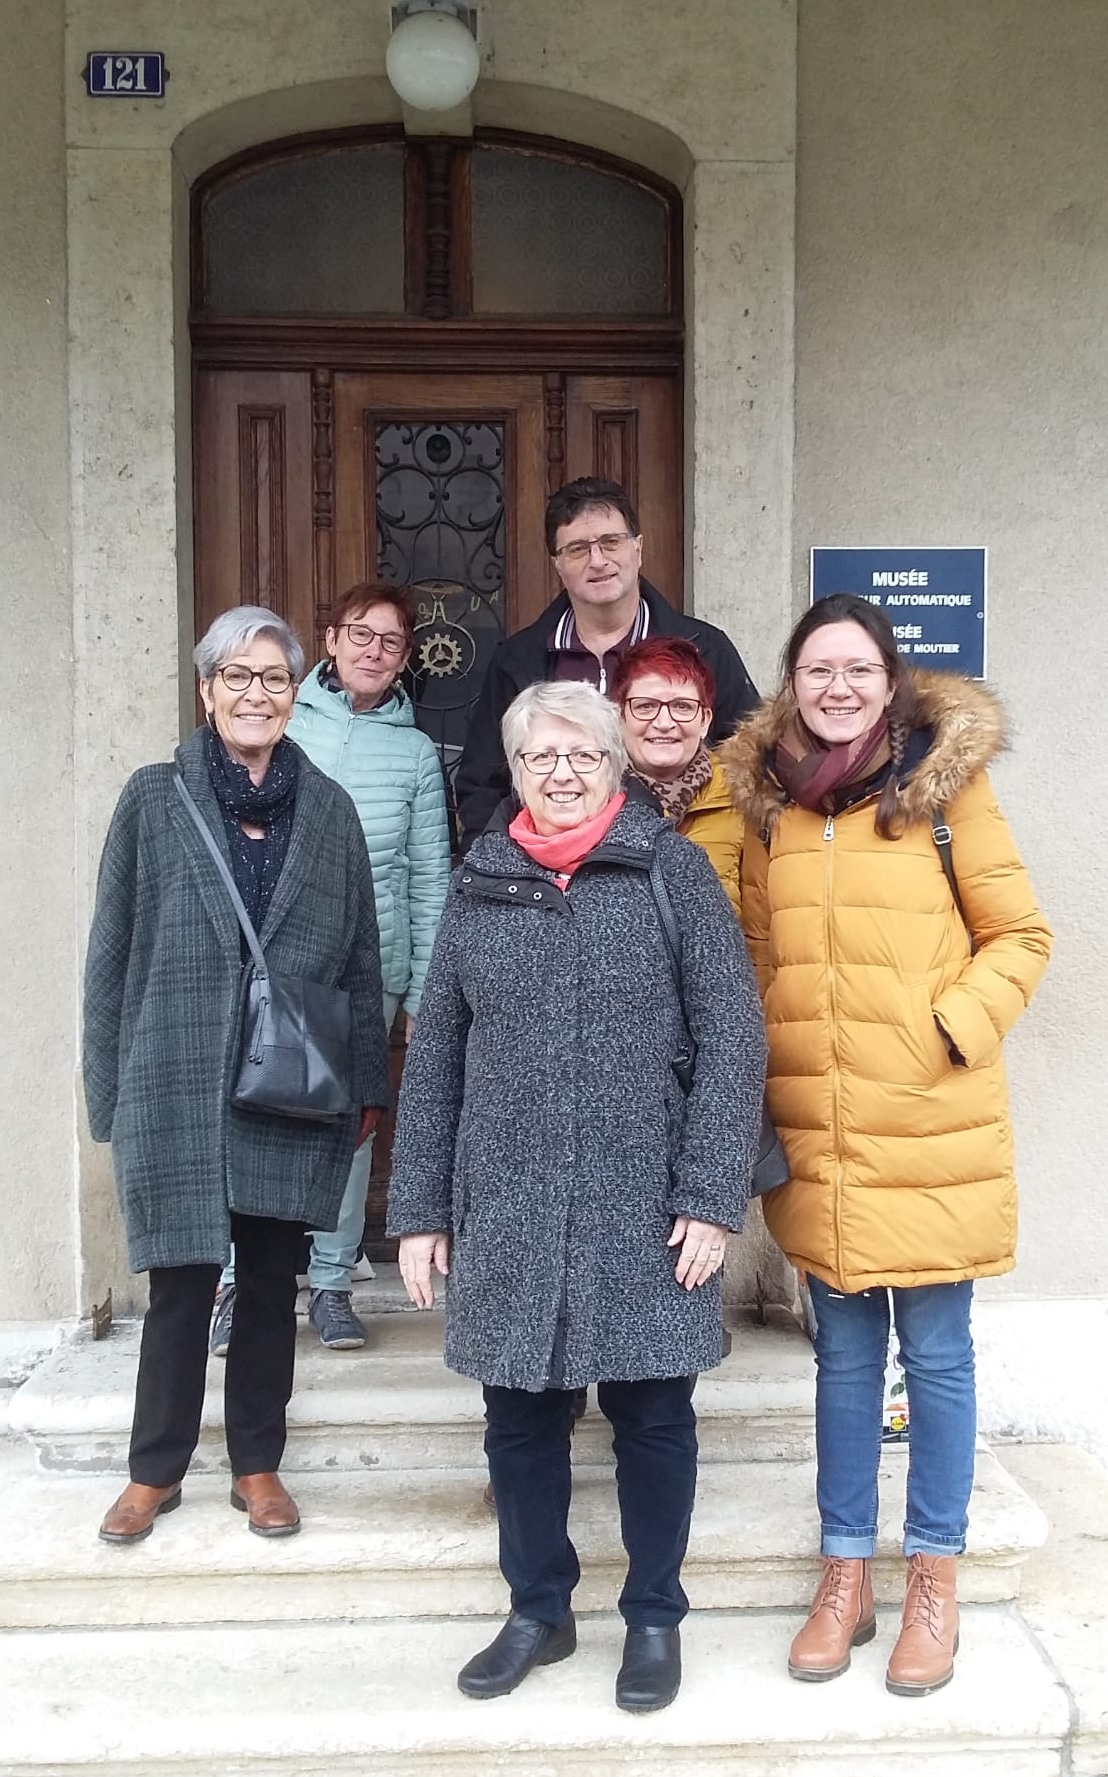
[
  {"x": 235, "y": 629},
  {"x": 570, "y": 700}
]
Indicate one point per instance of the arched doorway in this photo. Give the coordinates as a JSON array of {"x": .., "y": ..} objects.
[{"x": 400, "y": 348}]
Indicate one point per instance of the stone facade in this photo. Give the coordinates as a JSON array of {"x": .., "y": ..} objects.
[{"x": 895, "y": 264}]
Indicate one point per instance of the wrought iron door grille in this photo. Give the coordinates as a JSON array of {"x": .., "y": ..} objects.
[{"x": 439, "y": 502}]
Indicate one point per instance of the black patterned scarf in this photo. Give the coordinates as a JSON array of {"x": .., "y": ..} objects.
[{"x": 268, "y": 804}]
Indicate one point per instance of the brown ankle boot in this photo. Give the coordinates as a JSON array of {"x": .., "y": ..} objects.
[
  {"x": 923, "y": 1658},
  {"x": 841, "y": 1617}
]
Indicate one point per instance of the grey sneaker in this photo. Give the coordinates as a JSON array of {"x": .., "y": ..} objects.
[
  {"x": 333, "y": 1318},
  {"x": 220, "y": 1336}
]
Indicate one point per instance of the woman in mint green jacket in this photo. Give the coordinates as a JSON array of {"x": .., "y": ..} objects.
[{"x": 356, "y": 723}]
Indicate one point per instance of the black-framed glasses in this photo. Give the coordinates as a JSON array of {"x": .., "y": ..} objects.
[
  {"x": 583, "y": 760},
  {"x": 681, "y": 709},
  {"x": 275, "y": 679},
  {"x": 391, "y": 640},
  {"x": 609, "y": 544}
]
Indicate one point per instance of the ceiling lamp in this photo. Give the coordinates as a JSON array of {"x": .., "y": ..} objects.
[{"x": 432, "y": 60}]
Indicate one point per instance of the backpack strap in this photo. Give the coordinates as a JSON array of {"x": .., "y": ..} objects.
[{"x": 943, "y": 837}]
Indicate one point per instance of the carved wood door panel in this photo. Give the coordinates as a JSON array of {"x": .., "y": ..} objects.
[
  {"x": 628, "y": 429},
  {"x": 252, "y": 492},
  {"x": 307, "y": 480}
]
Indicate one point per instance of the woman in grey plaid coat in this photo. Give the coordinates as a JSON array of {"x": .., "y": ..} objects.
[
  {"x": 547, "y": 1157},
  {"x": 162, "y": 994}
]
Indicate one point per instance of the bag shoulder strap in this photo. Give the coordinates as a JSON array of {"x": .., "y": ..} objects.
[
  {"x": 671, "y": 931},
  {"x": 943, "y": 837},
  {"x": 229, "y": 884}
]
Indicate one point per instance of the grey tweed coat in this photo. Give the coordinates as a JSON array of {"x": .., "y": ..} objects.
[
  {"x": 541, "y": 1122},
  {"x": 163, "y": 985}
]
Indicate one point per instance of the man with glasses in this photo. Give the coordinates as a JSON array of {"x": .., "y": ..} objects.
[{"x": 606, "y": 605}]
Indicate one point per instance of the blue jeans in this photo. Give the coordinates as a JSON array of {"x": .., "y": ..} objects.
[
  {"x": 527, "y": 1442},
  {"x": 852, "y": 1336},
  {"x": 334, "y": 1256}
]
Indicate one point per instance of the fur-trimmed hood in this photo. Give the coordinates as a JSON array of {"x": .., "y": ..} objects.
[{"x": 967, "y": 730}]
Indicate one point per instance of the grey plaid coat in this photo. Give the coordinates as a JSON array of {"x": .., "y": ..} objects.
[
  {"x": 162, "y": 993},
  {"x": 541, "y": 1123}
]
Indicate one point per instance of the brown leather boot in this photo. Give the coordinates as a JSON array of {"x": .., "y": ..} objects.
[
  {"x": 132, "y": 1516},
  {"x": 270, "y": 1508},
  {"x": 841, "y": 1617},
  {"x": 923, "y": 1659}
]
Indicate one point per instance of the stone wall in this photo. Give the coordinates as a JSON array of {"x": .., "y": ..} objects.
[
  {"x": 952, "y": 383},
  {"x": 37, "y": 931}
]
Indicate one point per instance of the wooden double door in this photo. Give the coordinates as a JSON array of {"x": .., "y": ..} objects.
[{"x": 309, "y": 480}]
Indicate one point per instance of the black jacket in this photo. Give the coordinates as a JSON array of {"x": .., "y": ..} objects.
[{"x": 483, "y": 778}]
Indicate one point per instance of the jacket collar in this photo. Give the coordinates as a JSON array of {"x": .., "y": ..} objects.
[
  {"x": 317, "y": 693},
  {"x": 311, "y": 813},
  {"x": 963, "y": 724},
  {"x": 629, "y": 842},
  {"x": 658, "y": 610}
]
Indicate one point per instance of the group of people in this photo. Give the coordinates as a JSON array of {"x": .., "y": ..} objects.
[{"x": 663, "y": 881}]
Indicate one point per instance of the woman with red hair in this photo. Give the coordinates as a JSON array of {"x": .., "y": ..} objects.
[{"x": 665, "y": 692}]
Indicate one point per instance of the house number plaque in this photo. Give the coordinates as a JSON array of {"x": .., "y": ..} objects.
[{"x": 126, "y": 74}]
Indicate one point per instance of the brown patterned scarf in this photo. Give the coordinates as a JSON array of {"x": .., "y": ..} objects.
[
  {"x": 674, "y": 795},
  {"x": 811, "y": 770}
]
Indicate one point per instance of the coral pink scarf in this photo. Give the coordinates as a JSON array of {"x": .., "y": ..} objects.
[{"x": 562, "y": 852}]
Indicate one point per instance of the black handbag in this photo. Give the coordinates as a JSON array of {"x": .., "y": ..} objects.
[
  {"x": 295, "y": 1054},
  {"x": 771, "y": 1168}
]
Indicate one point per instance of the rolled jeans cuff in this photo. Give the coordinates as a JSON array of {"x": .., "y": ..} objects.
[
  {"x": 925, "y": 1542},
  {"x": 848, "y": 1545}
]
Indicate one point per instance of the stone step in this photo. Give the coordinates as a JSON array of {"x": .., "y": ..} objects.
[
  {"x": 395, "y": 1406},
  {"x": 379, "y": 1700},
  {"x": 422, "y": 1543}
]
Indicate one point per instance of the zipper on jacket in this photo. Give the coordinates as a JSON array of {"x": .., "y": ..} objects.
[
  {"x": 346, "y": 733},
  {"x": 833, "y": 1011}
]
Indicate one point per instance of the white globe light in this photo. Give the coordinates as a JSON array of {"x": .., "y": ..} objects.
[{"x": 432, "y": 61}]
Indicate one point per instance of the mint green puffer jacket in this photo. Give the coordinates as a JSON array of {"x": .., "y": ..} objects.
[{"x": 392, "y": 772}]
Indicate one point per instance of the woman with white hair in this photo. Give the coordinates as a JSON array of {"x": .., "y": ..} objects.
[
  {"x": 577, "y": 1189},
  {"x": 166, "y": 977}
]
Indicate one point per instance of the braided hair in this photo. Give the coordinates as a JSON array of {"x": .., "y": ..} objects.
[{"x": 847, "y": 607}]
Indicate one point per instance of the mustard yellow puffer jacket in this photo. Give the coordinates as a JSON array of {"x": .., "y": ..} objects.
[
  {"x": 902, "y": 1161},
  {"x": 711, "y": 822}
]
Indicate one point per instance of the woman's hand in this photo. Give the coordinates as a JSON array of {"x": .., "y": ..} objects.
[
  {"x": 702, "y": 1248},
  {"x": 418, "y": 1252}
]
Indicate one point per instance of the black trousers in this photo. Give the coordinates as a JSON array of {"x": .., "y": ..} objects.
[
  {"x": 527, "y": 1442},
  {"x": 169, "y": 1396}
]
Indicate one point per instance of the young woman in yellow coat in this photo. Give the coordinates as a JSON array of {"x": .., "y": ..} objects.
[
  {"x": 665, "y": 691},
  {"x": 885, "y": 1008}
]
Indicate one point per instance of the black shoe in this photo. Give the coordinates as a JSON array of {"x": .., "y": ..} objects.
[
  {"x": 650, "y": 1676},
  {"x": 521, "y": 1644}
]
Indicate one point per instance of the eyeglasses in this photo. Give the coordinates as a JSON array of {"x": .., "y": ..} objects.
[
  {"x": 392, "y": 642},
  {"x": 609, "y": 544},
  {"x": 681, "y": 709},
  {"x": 240, "y": 678},
  {"x": 860, "y": 675},
  {"x": 583, "y": 760}
]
